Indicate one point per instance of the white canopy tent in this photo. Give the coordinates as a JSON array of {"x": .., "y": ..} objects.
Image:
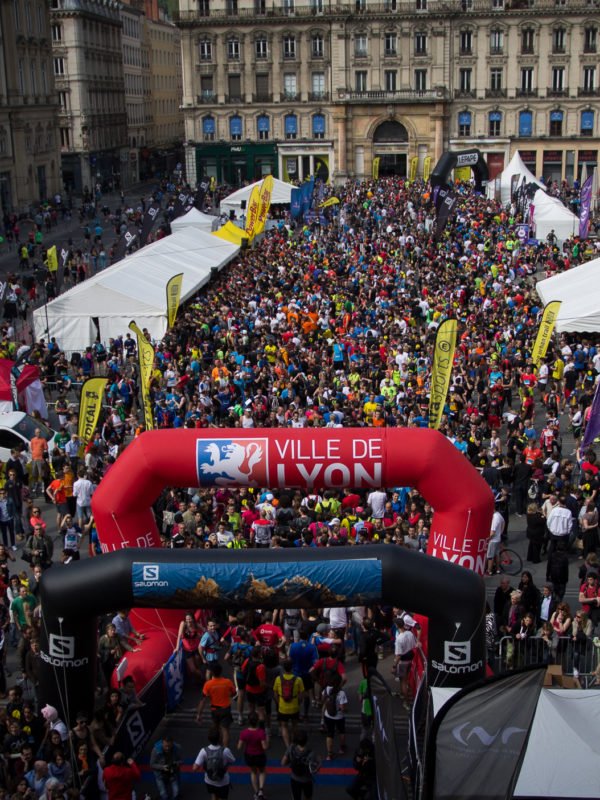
[
  {"x": 282, "y": 193},
  {"x": 197, "y": 220},
  {"x": 515, "y": 171},
  {"x": 579, "y": 291},
  {"x": 132, "y": 289},
  {"x": 550, "y": 214},
  {"x": 562, "y": 746}
]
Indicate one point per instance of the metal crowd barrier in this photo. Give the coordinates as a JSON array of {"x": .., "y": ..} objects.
[{"x": 575, "y": 658}]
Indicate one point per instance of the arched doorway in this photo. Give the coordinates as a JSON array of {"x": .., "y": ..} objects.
[{"x": 390, "y": 145}]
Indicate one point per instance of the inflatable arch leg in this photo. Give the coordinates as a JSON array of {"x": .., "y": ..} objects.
[{"x": 72, "y": 597}]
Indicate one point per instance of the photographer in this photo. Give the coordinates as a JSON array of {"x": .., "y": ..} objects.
[{"x": 165, "y": 761}]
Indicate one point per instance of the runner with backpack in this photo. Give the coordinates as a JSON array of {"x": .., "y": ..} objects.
[
  {"x": 255, "y": 679},
  {"x": 215, "y": 760},
  {"x": 238, "y": 653},
  {"x": 335, "y": 703},
  {"x": 288, "y": 690},
  {"x": 304, "y": 765}
]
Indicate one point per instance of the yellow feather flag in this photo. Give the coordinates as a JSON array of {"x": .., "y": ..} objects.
[
  {"x": 413, "y": 168},
  {"x": 545, "y": 331},
  {"x": 252, "y": 212},
  {"x": 426, "y": 168},
  {"x": 90, "y": 404},
  {"x": 332, "y": 201},
  {"x": 445, "y": 342},
  {"x": 146, "y": 361},
  {"x": 173, "y": 295},
  {"x": 264, "y": 203},
  {"x": 52, "y": 259},
  {"x": 376, "y": 161}
]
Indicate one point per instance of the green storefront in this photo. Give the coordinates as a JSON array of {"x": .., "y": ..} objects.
[{"x": 236, "y": 164}]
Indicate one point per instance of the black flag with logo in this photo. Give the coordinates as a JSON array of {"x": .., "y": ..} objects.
[
  {"x": 479, "y": 737},
  {"x": 389, "y": 773},
  {"x": 203, "y": 187},
  {"x": 181, "y": 204},
  {"x": 125, "y": 242},
  {"x": 149, "y": 220},
  {"x": 447, "y": 207},
  {"x": 63, "y": 257}
]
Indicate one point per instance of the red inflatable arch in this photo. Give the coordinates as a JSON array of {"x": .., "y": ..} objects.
[{"x": 306, "y": 458}]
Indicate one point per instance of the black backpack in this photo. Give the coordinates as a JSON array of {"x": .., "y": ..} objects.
[
  {"x": 299, "y": 761},
  {"x": 329, "y": 673},
  {"x": 250, "y": 671},
  {"x": 215, "y": 766}
]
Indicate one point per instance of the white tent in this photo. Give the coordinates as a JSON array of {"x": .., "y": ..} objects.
[
  {"x": 132, "y": 289},
  {"x": 282, "y": 193},
  {"x": 516, "y": 171},
  {"x": 550, "y": 214},
  {"x": 562, "y": 746},
  {"x": 579, "y": 291},
  {"x": 197, "y": 220}
]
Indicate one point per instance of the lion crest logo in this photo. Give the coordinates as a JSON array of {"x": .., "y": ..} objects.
[{"x": 232, "y": 462}]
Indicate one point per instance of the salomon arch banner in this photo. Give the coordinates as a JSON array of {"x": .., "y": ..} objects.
[{"x": 73, "y": 597}]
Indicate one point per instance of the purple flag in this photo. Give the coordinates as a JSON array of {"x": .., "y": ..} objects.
[
  {"x": 584, "y": 208},
  {"x": 592, "y": 429}
]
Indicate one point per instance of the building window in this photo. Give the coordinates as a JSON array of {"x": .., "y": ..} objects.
[
  {"x": 589, "y": 79},
  {"x": 21, "y": 72},
  {"x": 262, "y": 87},
  {"x": 289, "y": 85},
  {"x": 44, "y": 77},
  {"x": 208, "y": 129},
  {"x": 526, "y": 80},
  {"x": 466, "y": 43},
  {"x": 556, "y": 121},
  {"x": 56, "y": 31},
  {"x": 390, "y": 80},
  {"x": 205, "y": 48},
  {"x": 231, "y": 7},
  {"x": 259, "y": 7},
  {"x": 496, "y": 80},
  {"x": 558, "y": 40},
  {"x": 316, "y": 46},
  {"x": 235, "y": 129},
  {"x": 291, "y": 127},
  {"x": 525, "y": 123},
  {"x": 420, "y": 5},
  {"x": 464, "y": 124},
  {"x": 464, "y": 80},
  {"x": 235, "y": 88},
  {"x": 33, "y": 77},
  {"x": 590, "y": 40},
  {"x": 206, "y": 88},
  {"x": 260, "y": 47},
  {"x": 495, "y": 122},
  {"x": 587, "y": 123},
  {"x": 17, "y": 10},
  {"x": 420, "y": 44},
  {"x": 497, "y": 5},
  {"x": 318, "y": 85},
  {"x": 316, "y": 6},
  {"x": 527, "y": 39},
  {"x": 558, "y": 79},
  {"x": 420, "y": 80},
  {"x": 65, "y": 137},
  {"x": 288, "y": 6},
  {"x": 262, "y": 128},
  {"x": 318, "y": 126},
  {"x": 204, "y": 8},
  {"x": 360, "y": 45},
  {"x": 391, "y": 44},
  {"x": 289, "y": 47},
  {"x": 59, "y": 66},
  {"x": 496, "y": 42},
  {"x": 360, "y": 81},
  {"x": 233, "y": 50}
]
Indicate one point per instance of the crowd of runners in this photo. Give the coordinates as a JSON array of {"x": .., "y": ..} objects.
[{"x": 328, "y": 327}]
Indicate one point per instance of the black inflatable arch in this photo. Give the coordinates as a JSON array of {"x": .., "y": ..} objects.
[
  {"x": 461, "y": 158},
  {"x": 72, "y": 598}
]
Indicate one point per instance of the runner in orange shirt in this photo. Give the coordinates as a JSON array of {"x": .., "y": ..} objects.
[{"x": 220, "y": 691}]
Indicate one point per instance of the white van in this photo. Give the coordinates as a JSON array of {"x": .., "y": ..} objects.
[{"x": 17, "y": 429}]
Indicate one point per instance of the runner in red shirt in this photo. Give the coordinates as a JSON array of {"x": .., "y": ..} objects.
[{"x": 269, "y": 636}]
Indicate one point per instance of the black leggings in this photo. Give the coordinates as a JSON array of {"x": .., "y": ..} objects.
[{"x": 300, "y": 788}]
